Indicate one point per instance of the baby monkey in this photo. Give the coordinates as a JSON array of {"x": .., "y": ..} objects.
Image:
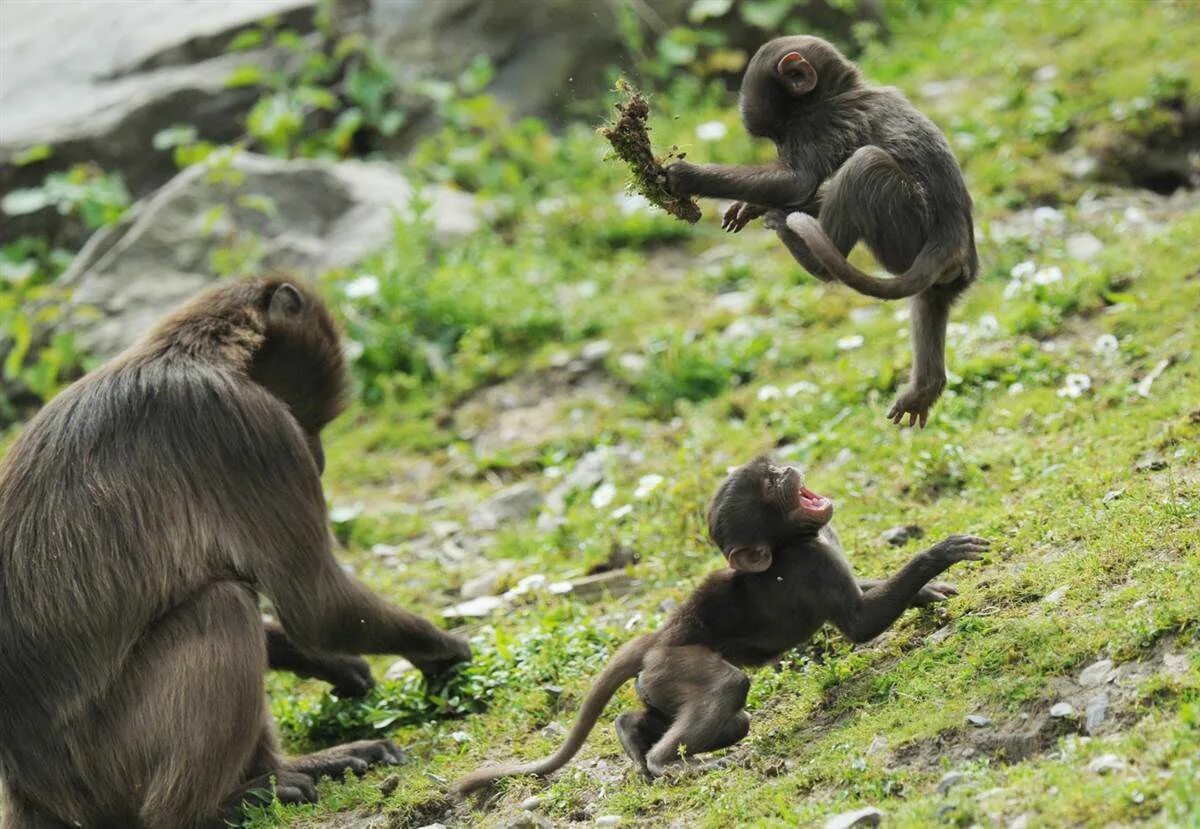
[{"x": 787, "y": 576}]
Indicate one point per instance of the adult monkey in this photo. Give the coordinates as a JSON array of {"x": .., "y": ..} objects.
[
  {"x": 868, "y": 166},
  {"x": 140, "y": 512},
  {"x": 787, "y": 577}
]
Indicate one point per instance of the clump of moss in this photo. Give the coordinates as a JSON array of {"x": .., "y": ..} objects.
[{"x": 630, "y": 138}]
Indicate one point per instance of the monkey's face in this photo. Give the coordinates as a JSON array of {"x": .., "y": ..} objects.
[{"x": 761, "y": 506}]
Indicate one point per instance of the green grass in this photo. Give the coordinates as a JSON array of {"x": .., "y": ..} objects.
[
  {"x": 1005, "y": 455},
  {"x": 567, "y": 260}
]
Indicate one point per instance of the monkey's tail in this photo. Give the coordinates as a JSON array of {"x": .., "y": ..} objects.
[
  {"x": 925, "y": 270},
  {"x": 624, "y": 666}
]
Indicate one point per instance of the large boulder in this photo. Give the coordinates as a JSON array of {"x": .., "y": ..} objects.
[
  {"x": 96, "y": 81},
  {"x": 301, "y": 216}
]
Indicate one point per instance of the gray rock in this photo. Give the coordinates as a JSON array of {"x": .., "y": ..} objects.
[
  {"x": 1095, "y": 713},
  {"x": 899, "y": 536},
  {"x": 488, "y": 583},
  {"x": 96, "y": 81},
  {"x": 978, "y": 720},
  {"x": 1061, "y": 710},
  {"x": 398, "y": 669},
  {"x": 510, "y": 504},
  {"x": 867, "y": 816},
  {"x": 475, "y": 608},
  {"x": 530, "y": 803},
  {"x": 608, "y": 820},
  {"x": 1106, "y": 763},
  {"x": 1098, "y": 673},
  {"x": 310, "y": 216},
  {"x": 949, "y": 780},
  {"x": 1055, "y": 596}
]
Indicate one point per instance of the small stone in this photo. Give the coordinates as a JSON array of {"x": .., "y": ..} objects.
[
  {"x": 949, "y": 780},
  {"x": 878, "y": 746},
  {"x": 867, "y": 816},
  {"x": 1175, "y": 665},
  {"x": 553, "y": 730},
  {"x": 433, "y": 826},
  {"x": 978, "y": 720},
  {"x": 1098, "y": 673},
  {"x": 1019, "y": 822},
  {"x": 531, "y": 803},
  {"x": 735, "y": 302},
  {"x": 475, "y": 608},
  {"x": 486, "y": 584},
  {"x": 1083, "y": 246},
  {"x": 608, "y": 820},
  {"x": 596, "y": 351},
  {"x": 1055, "y": 596},
  {"x": 1149, "y": 462},
  {"x": 1096, "y": 712},
  {"x": 397, "y": 670},
  {"x": 940, "y": 635},
  {"x": 1112, "y": 495},
  {"x": 1106, "y": 763},
  {"x": 389, "y": 784},
  {"x": 849, "y": 344},
  {"x": 668, "y": 604},
  {"x": 510, "y": 504},
  {"x": 899, "y": 536},
  {"x": 1062, "y": 709}
]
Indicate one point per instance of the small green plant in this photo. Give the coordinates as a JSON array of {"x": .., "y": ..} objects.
[{"x": 85, "y": 191}]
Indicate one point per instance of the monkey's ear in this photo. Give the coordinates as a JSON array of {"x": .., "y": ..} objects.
[
  {"x": 797, "y": 74},
  {"x": 286, "y": 303},
  {"x": 753, "y": 559}
]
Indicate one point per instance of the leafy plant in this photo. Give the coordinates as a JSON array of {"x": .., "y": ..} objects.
[{"x": 86, "y": 191}]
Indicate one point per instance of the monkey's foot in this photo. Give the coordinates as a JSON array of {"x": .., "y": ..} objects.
[
  {"x": 935, "y": 591},
  {"x": 457, "y": 651},
  {"x": 739, "y": 214},
  {"x": 631, "y": 742},
  {"x": 914, "y": 401},
  {"x": 286, "y": 785},
  {"x": 355, "y": 757}
]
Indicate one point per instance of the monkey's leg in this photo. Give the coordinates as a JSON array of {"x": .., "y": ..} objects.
[
  {"x": 930, "y": 315},
  {"x": 176, "y": 734},
  {"x": 705, "y": 694},
  {"x": 349, "y": 675}
]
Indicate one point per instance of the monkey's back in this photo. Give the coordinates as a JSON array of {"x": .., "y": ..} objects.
[{"x": 106, "y": 521}]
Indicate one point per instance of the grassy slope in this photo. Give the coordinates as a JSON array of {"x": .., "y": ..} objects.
[{"x": 1021, "y": 464}]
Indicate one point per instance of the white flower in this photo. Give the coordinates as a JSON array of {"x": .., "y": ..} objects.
[
  {"x": 604, "y": 495},
  {"x": 769, "y": 393},
  {"x": 801, "y": 387},
  {"x": 1022, "y": 270},
  {"x": 1043, "y": 216},
  {"x": 1105, "y": 344},
  {"x": 365, "y": 285},
  {"x": 1048, "y": 276},
  {"x": 621, "y": 512},
  {"x": 1075, "y": 385},
  {"x": 352, "y": 350},
  {"x": 711, "y": 131},
  {"x": 850, "y": 343},
  {"x": 1016, "y": 388},
  {"x": 633, "y": 363},
  {"x": 988, "y": 326},
  {"x": 646, "y": 485}
]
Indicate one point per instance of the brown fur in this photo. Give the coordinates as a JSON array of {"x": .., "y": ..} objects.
[
  {"x": 787, "y": 577},
  {"x": 855, "y": 163},
  {"x": 142, "y": 511}
]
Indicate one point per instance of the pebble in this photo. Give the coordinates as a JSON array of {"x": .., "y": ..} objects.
[
  {"x": 1098, "y": 673},
  {"x": 1096, "y": 712},
  {"x": 1056, "y": 595},
  {"x": 1083, "y": 246},
  {"x": 389, "y": 784},
  {"x": 978, "y": 720},
  {"x": 1062, "y": 709},
  {"x": 1106, "y": 763},
  {"x": 531, "y": 803},
  {"x": 949, "y": 780},
  {"x": 608, "y": 820},
  {"x": 398, "y": 669},
  {"x": 474, "y": 609},
  {"x": 867, "y": 816},
  {"x": 899, "y": 536}
]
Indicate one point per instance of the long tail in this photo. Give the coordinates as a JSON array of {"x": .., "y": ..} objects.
[
  {"x": 926, "y": 269},
  {"x": 624, "y": 666}
]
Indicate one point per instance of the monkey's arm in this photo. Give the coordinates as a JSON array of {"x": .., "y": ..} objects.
[
  {"x": 863, "y": 616},
  {"x": 350, "y": 676},
  {"x": 935, "y": 591},
  {"x": 771, "y": 185}
]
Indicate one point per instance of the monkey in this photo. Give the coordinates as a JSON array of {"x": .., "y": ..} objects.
[
  {"x": 349, "y": 675},
  {"x": 855, "y": 162},
  {"x": 143, "y": 512},
  {"x": 787, "y": 576}
]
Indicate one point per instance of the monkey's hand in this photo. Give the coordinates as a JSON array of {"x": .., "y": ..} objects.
[
  {"x": 957, "y": 548},
  {"x": 914, "y": 401},
  {"x": 457, "y": 651},
  {"x": 932, "y": 593},
  {"x": 681, "y": 178},
  {"x": 350, "y": 676},
  {"x": 739, "y": 214}
]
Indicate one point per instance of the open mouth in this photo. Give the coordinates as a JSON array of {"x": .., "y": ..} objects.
[{"x": 811, "y": 504}]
